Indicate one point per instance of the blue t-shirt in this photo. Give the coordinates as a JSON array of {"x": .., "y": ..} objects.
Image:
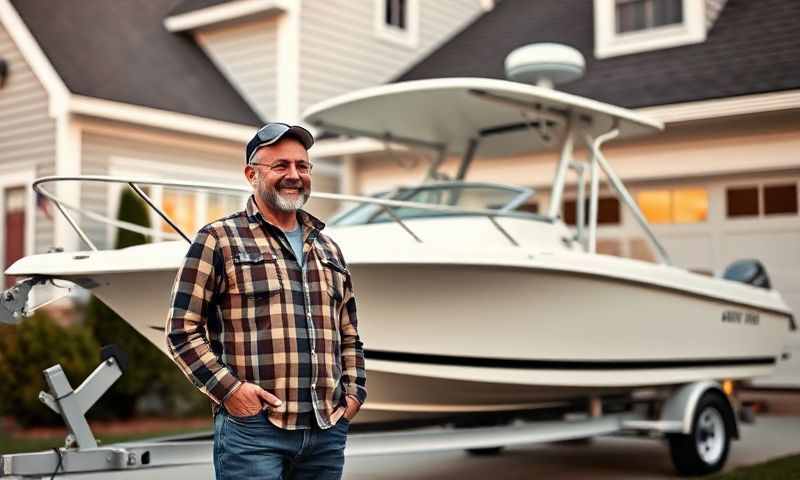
[{"x": 295, "y": 238}]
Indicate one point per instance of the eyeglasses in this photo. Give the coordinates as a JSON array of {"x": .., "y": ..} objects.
[{"x": 282, "y": 167}]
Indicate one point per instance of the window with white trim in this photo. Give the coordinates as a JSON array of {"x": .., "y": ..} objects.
[
  {"x": 398, "y": 21},
  {"x": 629, "y": 26},
  {"x": 676, "y": 205},
  {"x": 637, "y": 15},
  {"x": 395, "y": 13},
  {"x": 189, "y": 209}
]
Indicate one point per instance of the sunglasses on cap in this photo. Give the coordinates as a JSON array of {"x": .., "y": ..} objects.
[{"x": 272, "y": 132}]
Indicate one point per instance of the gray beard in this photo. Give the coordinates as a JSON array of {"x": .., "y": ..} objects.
[{"x": 274, "y": 199}]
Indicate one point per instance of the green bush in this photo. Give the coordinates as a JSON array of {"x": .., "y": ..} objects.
[{"x": 27, "y": 349}]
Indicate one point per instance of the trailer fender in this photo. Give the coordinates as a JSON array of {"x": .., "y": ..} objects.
[{"x": 681, "y": 405}]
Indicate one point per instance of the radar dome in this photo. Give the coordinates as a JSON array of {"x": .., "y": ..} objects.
[{"x": 545, "y": 64}]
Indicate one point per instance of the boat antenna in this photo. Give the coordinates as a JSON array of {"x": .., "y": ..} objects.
[{"x": 544, "y": 65}]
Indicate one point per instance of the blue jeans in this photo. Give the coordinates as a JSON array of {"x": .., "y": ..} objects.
[{"x": 253, "y": 448}]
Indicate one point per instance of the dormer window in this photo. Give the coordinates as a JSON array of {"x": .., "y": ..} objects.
[
  {"x": 637, "y": 15},
  {"x": 397, "y": 21},
  {"x": 395, "y": 13},
  {"x": 630, "y": 26}
]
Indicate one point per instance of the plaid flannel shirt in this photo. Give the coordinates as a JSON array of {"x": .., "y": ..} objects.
[{"x": 244, "y": 310}]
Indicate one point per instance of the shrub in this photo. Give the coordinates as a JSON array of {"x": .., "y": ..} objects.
[{"x": 27, "y": 349}]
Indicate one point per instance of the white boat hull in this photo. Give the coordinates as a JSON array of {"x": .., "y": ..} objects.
[{"x": 518, "y": 338}]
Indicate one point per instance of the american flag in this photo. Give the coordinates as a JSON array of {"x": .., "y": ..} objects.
[{"x": 43, "y": 204}]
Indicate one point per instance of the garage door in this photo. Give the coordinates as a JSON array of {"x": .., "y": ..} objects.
[{"x": 762, "y": 222}]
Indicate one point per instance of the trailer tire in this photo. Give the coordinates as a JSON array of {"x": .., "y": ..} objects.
[{"x": 706, "y": 448}]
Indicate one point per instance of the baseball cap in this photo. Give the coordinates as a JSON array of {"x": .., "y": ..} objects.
[{"x": 272, "y": 132}]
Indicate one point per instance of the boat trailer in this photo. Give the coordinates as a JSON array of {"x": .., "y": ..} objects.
[{"x": 185, "y": 456}]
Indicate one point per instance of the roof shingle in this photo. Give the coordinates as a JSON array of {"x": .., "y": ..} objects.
[
  {"x": 121, "y": 51},
  {"x": 753, "y": 47}
]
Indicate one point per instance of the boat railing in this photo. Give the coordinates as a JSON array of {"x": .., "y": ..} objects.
[{"x": 135, "y": 185}]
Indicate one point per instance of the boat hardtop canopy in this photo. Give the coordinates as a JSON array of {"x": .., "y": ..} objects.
[{"x": 448, "y": 114}]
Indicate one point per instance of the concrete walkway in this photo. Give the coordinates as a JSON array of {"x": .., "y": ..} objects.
[{"x": 603, "y": 458}]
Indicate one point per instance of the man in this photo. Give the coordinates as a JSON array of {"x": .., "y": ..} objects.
[{"x": 263, "y": 321}]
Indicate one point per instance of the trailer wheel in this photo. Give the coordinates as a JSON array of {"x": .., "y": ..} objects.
[
  {"x": 485, "y": 452},
  {"x": 706, "y": 448}
]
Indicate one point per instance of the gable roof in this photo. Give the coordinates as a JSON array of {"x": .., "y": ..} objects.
[
  {"x": 752, "y": 47},
  {"x": 121, "y": 51}
]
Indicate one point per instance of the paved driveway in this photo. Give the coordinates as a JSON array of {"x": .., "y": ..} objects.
[{"x": 603, "y": 458}]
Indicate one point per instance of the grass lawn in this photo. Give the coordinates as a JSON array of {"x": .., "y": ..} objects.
[
  {"x": 15, "y": 444},
  {"x": 785, "y": 468}
]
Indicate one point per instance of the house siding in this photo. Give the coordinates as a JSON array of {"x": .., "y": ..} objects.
[
  {"x": 27, "y": 133},
  {"x": 247, "y": 55},
  {"x": 340, "y": 50}
]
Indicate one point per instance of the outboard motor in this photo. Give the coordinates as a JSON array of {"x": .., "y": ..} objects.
[{"x": 749, "y": 271}]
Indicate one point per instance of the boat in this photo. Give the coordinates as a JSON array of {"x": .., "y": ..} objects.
[{"x": 466, "y": 304}]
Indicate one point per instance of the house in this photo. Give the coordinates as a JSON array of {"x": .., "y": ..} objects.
[
  {"x": 173, "y": 89},
  {"x": 720, "y": 184}
]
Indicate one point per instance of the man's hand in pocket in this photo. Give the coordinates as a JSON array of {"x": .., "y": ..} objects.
[{"x": 249, "y": 399}]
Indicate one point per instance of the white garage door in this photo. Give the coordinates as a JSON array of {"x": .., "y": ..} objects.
[{"x": 774, "y": 239}]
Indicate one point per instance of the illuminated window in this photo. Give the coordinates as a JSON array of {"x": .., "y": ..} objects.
[
  {"x": 690, "y": 205},
  {"x": 656, "y": 205},
  {"x": 221, "y": 205},
  {"x": 683, "y": 205},
  {"x": 181, "y": 207}
]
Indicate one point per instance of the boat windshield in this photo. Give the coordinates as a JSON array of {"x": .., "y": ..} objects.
[{"x": 473, "y": 196}]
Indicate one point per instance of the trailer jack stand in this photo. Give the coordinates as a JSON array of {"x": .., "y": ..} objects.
[{"x": 80, "y": 453}]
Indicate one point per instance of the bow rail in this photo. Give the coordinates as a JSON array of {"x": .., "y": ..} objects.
[{"x": 135, "y": 185}]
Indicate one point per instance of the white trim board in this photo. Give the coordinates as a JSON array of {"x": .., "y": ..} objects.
[
  {"x": 137, "y": 133},
  {"x": 287, "y": 84},
  {"x": 163, "y": 119},
  {"x": 225, "y": 12},
  {"x": 67, "y": 163},
  {"x": 725, "y": 107}
]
